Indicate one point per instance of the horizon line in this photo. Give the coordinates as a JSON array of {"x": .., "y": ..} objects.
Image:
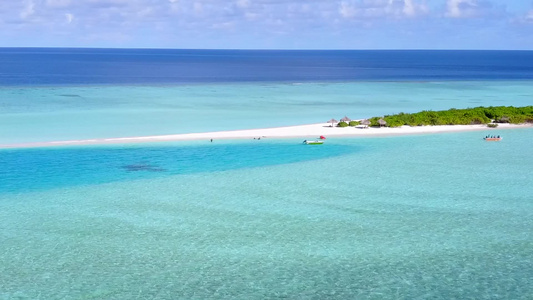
[{"x": 256, "y": 49}]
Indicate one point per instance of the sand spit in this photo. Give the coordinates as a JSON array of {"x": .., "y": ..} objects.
[{"x": 300, "y": 131}]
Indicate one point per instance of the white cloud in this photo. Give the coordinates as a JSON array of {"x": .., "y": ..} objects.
[
  {"x": 109, "y": 2},
  {"x": 70, "y": 17},
  {"x": 224, "y": 25},
  {"x": 264, "y": 21},
  {"x": 382, "y": 8},
  {"x": 472, "y": 9},
  {"x": 198, "y": 7},
  {"x": 251, "y": 16},
  {"x": 413, "y": 9},
  {"x": 347, "y": 11},
  {"x": 406, "y": 8},
  {"x": 524, "y": 19},
  {"x": 529, "y": 16},
  {"x": 29, "y": 9},
  {"x": 57, "y": 3},
  {"x": 455, "y": 8},
  {"x": 243, "y": 3}
]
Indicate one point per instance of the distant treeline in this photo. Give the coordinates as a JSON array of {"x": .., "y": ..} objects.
[{"x": 468, "y": 116}]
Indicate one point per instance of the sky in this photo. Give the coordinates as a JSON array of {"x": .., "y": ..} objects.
[{"x": 268, "y": 24}]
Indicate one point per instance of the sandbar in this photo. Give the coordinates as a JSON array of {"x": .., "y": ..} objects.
[{"x": 309, "y": 131}]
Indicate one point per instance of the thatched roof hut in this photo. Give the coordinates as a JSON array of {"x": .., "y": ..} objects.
[
  {"x": 365, "y": 123},
  {"x": 504, "y": 119},
  {"x": 333, "y": 121},
  {"x": 382, "y": 122},
  {"x": 346, "y": 119}
]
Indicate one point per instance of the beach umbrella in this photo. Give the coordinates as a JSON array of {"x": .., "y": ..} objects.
[
  {"x": 333, "y": 121},
  {"x": 345, "y": 119},
  {"x": 382, "y": 122},
  {"x": 365, "y": 122}
]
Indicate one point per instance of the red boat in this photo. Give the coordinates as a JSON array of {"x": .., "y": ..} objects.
[{"x": 492, "y": 138}]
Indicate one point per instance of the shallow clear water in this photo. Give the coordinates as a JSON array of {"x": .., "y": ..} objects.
[
  {"x": 443, "y": 216},
  {"x": 431, "y": 216},
  {"x": 38, "y": 114}
]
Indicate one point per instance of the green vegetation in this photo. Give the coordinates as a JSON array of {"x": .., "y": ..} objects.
[
  {"x": 354, "y": 123},
  {"x": 342, "y": 124},
  {"x": 492, "y": 125},
  {"x": 468, "y": 116}
]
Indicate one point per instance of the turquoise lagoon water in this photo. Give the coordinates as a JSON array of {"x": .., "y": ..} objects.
[
  {"x": 444, "y": 216},
  {"x": 49, "y": 113}
]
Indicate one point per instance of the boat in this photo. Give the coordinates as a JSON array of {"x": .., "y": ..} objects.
[
  {"x": 492, "y": 138},
  {"x": 313, "y": 142}
]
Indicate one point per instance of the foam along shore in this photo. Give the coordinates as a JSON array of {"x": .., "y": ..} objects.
[{"x": 300, "y": 131}]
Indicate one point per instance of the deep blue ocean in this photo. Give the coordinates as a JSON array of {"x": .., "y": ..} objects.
[
  {"x": 66, "y": 66},
  {"x": 434, "y": 216}
]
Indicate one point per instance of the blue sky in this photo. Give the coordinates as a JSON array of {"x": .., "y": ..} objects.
[{"x": 268, "y": 24}]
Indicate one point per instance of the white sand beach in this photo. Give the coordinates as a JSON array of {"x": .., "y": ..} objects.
[{"x": 300, "y": 131}]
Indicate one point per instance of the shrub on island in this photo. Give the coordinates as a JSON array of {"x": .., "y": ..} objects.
[
  {"x": 354, "y": 123},
  {"x": 492, "y": 125},
  {"x": 469, "y": 116},
  {"x": 342, "y": 124},
  {"x": 374, "y": 122}
]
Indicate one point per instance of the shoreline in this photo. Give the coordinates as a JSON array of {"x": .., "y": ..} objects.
[{"x": 300, "y": 131}]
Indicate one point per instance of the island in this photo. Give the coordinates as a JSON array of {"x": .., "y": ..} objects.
[{"x": 425, "y": 122}]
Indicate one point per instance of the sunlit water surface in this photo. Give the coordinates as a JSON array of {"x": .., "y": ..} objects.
[
  {"x": 40, "y": 114},
  {"x": 444, "y": 216},
  {"x": 414, "y": 217}
]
